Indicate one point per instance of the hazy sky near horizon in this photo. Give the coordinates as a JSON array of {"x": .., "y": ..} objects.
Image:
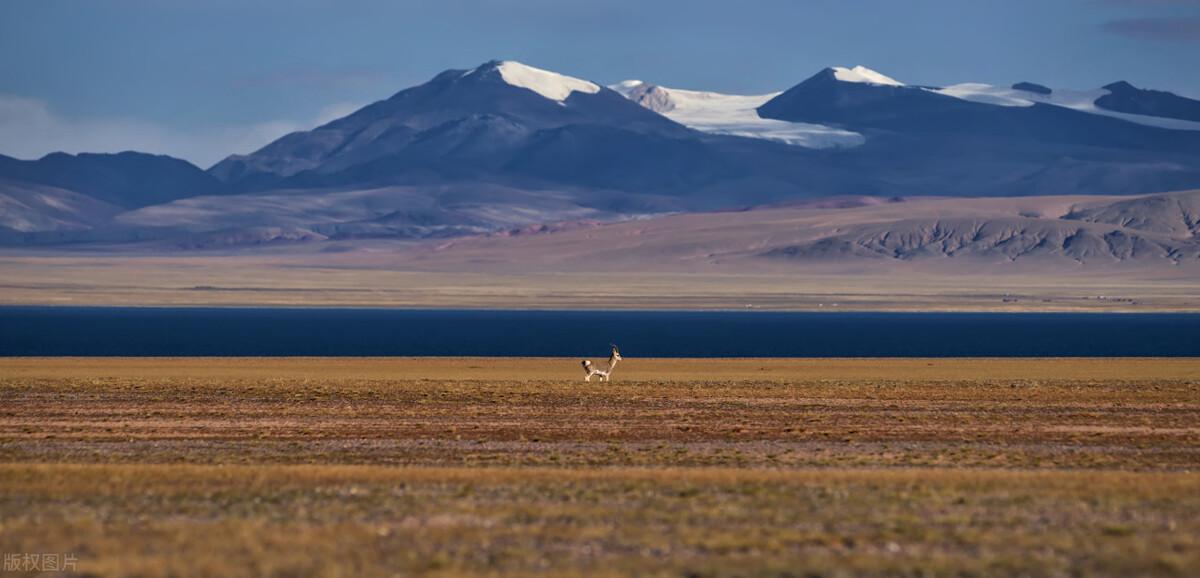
[{"x": 201, "y": 79}]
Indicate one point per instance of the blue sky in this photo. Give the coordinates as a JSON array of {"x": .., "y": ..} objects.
[{"x": 200, "y": 79}]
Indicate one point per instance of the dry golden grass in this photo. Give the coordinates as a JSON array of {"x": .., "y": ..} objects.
[
  {"x": 749, "y": 467},
  {"x": 372, "y": 521},
  {"x": 741, "y": 369}
]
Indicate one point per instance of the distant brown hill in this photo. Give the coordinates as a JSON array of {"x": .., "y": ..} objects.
[{"x": 1091, "y": 231}]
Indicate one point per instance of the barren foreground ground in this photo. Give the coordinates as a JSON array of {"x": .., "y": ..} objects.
[{"x": 381, "y": 467}]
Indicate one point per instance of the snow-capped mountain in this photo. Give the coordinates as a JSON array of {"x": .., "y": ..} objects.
[
  {"x": 551, "y": 85},
  {"x": 480, "y": 112},
  {"x": 1089, "y": 101},
  {"x": 1117, "y": 100},
  {"x": 860, "y": 96},
  {"x": 731, "y": 114},
  {"x": 738, "y": 115},
  {"x": 504, "y": 145},
  {"x": 863, "y": 75}
]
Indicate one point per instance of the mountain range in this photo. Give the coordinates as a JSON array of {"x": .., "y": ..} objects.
[{"x": 505, "y": 146}]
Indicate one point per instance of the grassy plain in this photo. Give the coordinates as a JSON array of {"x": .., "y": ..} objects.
[
  {"x": 740, "y": 467},
  {"x": 384, "y": 279}
]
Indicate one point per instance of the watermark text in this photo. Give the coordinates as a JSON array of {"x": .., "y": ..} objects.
[{"x": 39, "y": 562}]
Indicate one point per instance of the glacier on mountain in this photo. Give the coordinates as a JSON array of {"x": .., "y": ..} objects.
[{"x": 732, "y": 114}]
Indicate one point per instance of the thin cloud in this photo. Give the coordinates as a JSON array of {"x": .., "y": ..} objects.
[
  {"x": 29, "y": 129},
  {"x": 1169, "y": 29}
]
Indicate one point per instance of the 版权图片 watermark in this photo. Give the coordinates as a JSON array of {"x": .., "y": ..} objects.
[{"x": 39, "y": 562}]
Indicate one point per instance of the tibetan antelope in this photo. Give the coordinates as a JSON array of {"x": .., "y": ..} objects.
[{"x": 605, "y": 374}]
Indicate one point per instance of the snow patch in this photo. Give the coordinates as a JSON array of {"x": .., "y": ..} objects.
[
  {"x": 1081, "y": 100},
  {"x": 988, "y": 94},
  {"x": 626, "y": 87},
  {"x": 737, "y": 115},
  {"x": 551, "y": 85},
  {"x": 864, "y": 75}
]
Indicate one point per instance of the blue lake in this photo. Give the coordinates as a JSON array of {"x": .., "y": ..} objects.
[{"x": 104, "y": 331}]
